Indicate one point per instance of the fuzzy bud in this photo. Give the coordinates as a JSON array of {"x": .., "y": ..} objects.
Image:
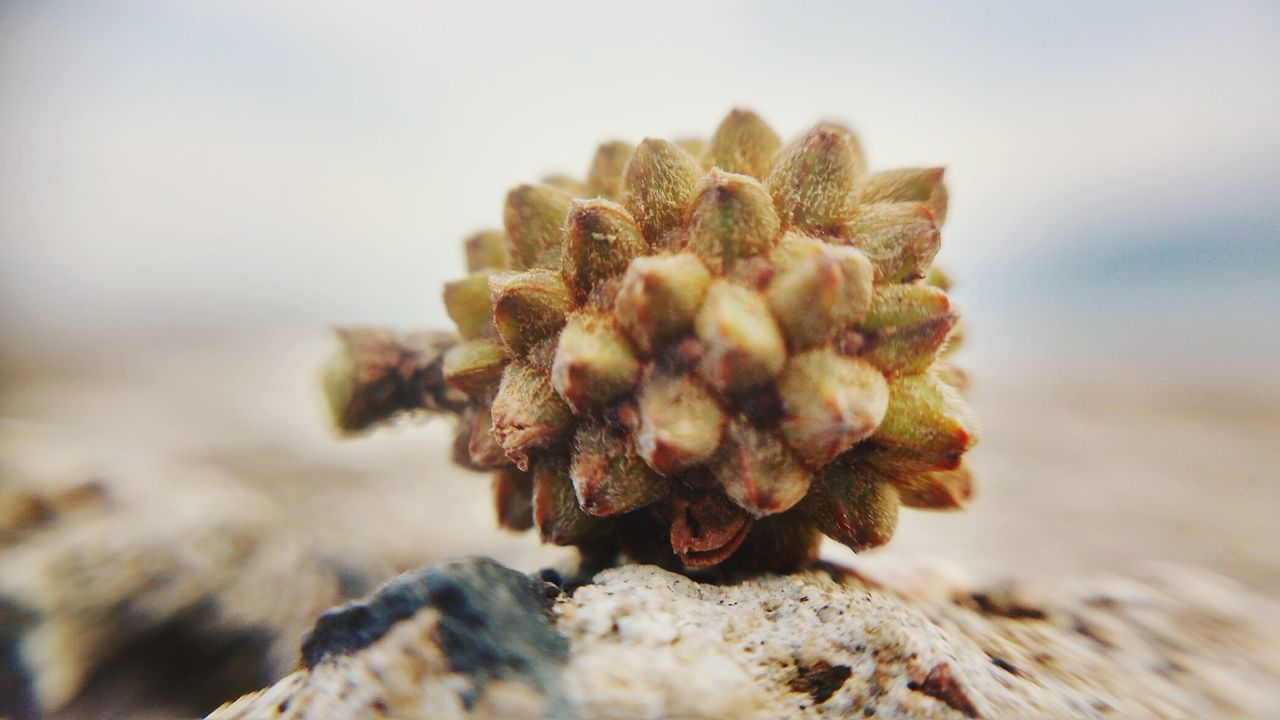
[
  {"x": 813, "y": 181},
  {"x": 855, "y": 506},
  {"x": 468, "y": 303},
  {"x": 483, "y": 449},
  {"x": 952, "y": 375},
  {"x": 659, "y": 298},
  {"x": 938, "y": 278},
  {"x": 744, "y": 348},
  {"x": 556, "y": 512},
  {"x": 937, "y": 490},
  {"x": 757, "y": 471},
  {"x": 534, "y": 216},
  {"x": 679, "y": 423},
  {"x": 527, "y": 412},
  {"x": 593, "y": 362},
  {"x": 600, "y": 241},
  {"x": 377, "y": 374},
  {"x": 829, "y": 402},
  {"x": 923, "y": 185},
  {"x": 928, "y": 420},
  {"x": 906, "y": 327},
  {"x": 819, "y": 289},
  {"x": 572, "y": 186},
  {"x": 900, "y": 239},
  {"x": 609, "y": 478},
  {"x": 488, "y": 250},
  {"x": 696, "y": 147},
  {"x": 658, "y": 183},
  {"x": 732, "y": 219},
  {"x": 474, "y": 367},
  {"x": 743, "y": 144},
  {"x": 513, "y": 498},
  {"x": 605, "y": 177},
  {"x": 528, "y": 307}
]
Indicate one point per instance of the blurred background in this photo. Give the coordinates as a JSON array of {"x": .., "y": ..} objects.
[{"x": 193, "y": 193}]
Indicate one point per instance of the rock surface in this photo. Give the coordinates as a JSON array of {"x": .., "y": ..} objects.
[{"x": 646, "y": 643}]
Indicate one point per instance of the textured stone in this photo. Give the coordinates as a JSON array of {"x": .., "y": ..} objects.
[{"x": 647, "y": 643}]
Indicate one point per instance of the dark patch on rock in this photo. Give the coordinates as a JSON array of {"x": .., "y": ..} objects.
[
  {"x": 1004, "y": 603},
  {"x": 941, "y": 685},
  {"x": 1006, "y": 666},
  {"x": 17, "y": 697},
  {"x": 821, "y": 680},
  {"x": 185, "y": 666},
  {"x": 494, "y": 625}
]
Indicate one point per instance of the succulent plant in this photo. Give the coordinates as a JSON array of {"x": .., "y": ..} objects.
[{"x": 713, "y": 357}]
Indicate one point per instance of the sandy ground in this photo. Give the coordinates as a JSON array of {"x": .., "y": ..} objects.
[{"x": 1102, "y": 475}]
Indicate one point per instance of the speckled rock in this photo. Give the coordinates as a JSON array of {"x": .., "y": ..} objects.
[
  {"x": 180, "y": 596},
  {"x": 646, "y": 643},
  {"x": 465, "y": 639}
]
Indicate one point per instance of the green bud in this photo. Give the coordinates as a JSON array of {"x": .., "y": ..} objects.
[
  {"x": 952, "y": 375},
  {"x": 936, "y": 490},
  {"x": 938, "y": 278},
  {"x": 696, "y": 147},
  {"x": 534, "y": 216},
  {"x": 593, "y": 362},
  {"x": 468, "y": 303},
  {"x": 489, "y": 250},
  {"x": 900, "y": 239},
  {"x": 483, "y": 449},
  {"x": 744, "y": 348},
  {"x": 659, "y": 298},
  {"x": 377, "y": 374},
  {"x": 475, "y": 366},
  {"x": 928, "y": 421},
  {"x": 955, "y": 339},
  {"x": 829, "y": 403},
  {"x": 605, "y": 177},
  {"x": 679, "y": 423},
  {"x": 813, "y": 181},
  {"x": 528, "y": 307},
  {"x": 743, "y": 144},
  {"x": 657, "y": 185},
  {"x": 527, "y": 412},
  {"x": 757, "y": 471},
  {"x": 818, "y": 290},
  {"x": 609, "y": 478},
  {"x": 600, "y": 241},
  {"x": 572, "y": 186},
  {"x": 923, "y": 185},
  {"x": 732, "y": 219},
  {"x": 706, "y": 528},
  {"x": 854, "y": 506},
  {"x": 513, "y": 498},
  {"x": 907, "y": 326},
  {"x": 555, "y": 507}
]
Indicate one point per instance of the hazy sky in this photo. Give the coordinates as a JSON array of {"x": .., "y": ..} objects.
[{"x": 167, "y": 164}]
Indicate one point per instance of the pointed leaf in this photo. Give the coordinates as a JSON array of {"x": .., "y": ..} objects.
[
  {"x": 659, "y": 298},
  {"x": 527, "y": 412},
  {"x": 743, "y": 144},
  {"x": 757, "y": 471},
  {"x": 658, "y": 184},
  {"x": 830, "y": 402},
  {"x": 534, "y": 216},
  {"x": 609, "y": 478},
  {"x": 732, "y": 219},
  {"x": 744, "y": 348}
]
